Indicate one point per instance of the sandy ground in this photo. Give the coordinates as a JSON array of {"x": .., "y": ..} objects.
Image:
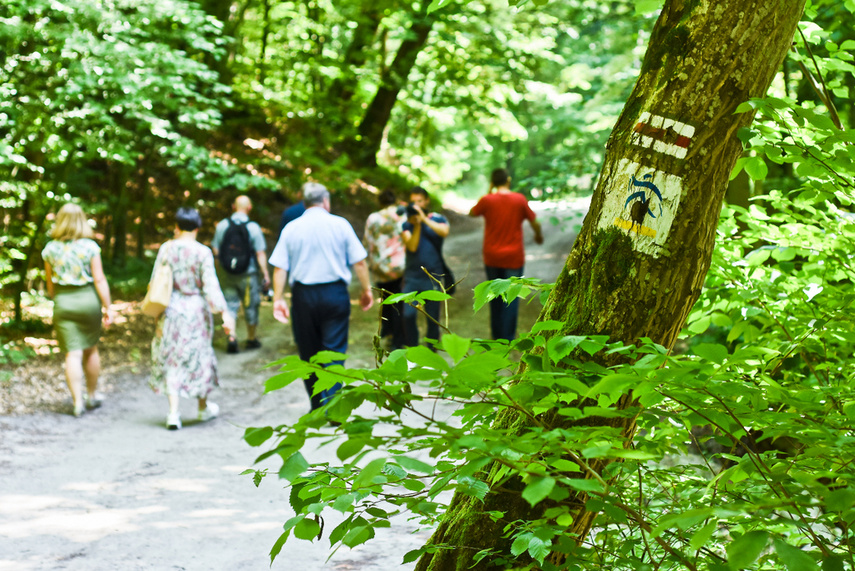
[{"x": 116, "y": 490}]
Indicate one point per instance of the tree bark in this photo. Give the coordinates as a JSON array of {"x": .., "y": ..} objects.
[
  {"x": 630, "y": 275},
  {"x": 370, "y": 133}
]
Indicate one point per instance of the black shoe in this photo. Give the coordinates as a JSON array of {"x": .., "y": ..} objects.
[
  {"x": 253, "y": 344},
  {"x": 232, "y": 346}
]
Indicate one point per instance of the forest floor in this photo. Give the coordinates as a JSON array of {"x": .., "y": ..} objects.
[{"x": 115, "y": 490}]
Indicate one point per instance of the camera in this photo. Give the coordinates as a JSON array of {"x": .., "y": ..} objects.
[{"x": 409, "y": 210}]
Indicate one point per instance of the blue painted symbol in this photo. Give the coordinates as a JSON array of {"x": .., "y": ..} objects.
[{"x": 640, "y": 201}]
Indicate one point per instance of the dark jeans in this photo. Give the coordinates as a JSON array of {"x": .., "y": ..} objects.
[
  {"x": 320, "y": 315},
  {"x": 503, "y": 316},
  {"x": 411, "y": 314},
  {"x": 392, "y": 316}
]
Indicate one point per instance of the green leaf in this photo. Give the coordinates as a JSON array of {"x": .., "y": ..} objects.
[
  {"x": 756, "y": 168},
  {"x": 424, "y": 357},
  {"x": 307, "y": 529},
  {"x": 351, "y": 447},
  {"x": 414, "y": 465},
  {"x": 257, "y": 436},
  {"x": 367, "y": 474},
  {"x": 344, "y": 502},
  {"x": 646, "y": 6},
  {"x": 793, "y": 558},
  {"x": 745, "y": 549},
  {"x": 711, "y": 352},
  {"x": 538, "y": 489},
  {"x": 455, "y": 346},
  {"x": 438, "y": 5},
  {"x": 358, "y": 535},
  {"x": 277, "y": 547},
  {"x": 700, "y": 538},
  {"x": 832, "y": 563},
  {"x": 293, "y": 467},
  {"x": 413, "y": 555},
  {"x": 699, "y": 326}
]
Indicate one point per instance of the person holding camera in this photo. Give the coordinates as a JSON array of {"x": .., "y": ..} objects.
[
  {"x": 386, "y": 255},
  {"x": 423, "y": 234}
]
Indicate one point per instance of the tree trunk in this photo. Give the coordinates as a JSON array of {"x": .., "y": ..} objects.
[
  {"x": 357, "y": 52},
  {"x": 631, "y": 275},
  {"x": 266, "y": 28},
  {"x": 119, "y": 216},
  {"x": 364, "y": 150}
]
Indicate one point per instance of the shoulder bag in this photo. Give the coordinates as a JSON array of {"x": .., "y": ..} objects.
[{"x": 159, "y": 289}]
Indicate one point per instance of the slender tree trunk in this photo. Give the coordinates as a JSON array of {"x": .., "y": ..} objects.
[
  {"x": 364, "y": 150},
  {"x": 630, "y": 275},
  {"x": 119, "y": 216},
  {"x": 261, "y": 64},
  {"x": 344, "y": 86}
]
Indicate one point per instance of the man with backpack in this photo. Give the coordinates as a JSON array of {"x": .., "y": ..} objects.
[{"x": 240, "y": 248}]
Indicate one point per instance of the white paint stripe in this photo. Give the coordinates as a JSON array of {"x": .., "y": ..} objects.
[{"x": 669, "y": 149}]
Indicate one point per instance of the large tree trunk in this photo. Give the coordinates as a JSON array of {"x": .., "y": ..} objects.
[
  {"x": 631, "y": 275},
  {"x": 364, "y": 151}
]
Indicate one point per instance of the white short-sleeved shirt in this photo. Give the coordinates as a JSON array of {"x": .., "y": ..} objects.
[
  {"x": 256, "y": 237},
  {"x": 318, "y": 247}
]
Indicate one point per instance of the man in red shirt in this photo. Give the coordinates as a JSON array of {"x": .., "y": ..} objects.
[{"x": 504, "y": 255}]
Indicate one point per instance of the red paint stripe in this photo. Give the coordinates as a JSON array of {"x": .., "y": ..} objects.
[{"x": 660, "y": 134}]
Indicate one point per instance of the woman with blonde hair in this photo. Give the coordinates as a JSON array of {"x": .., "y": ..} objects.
[
  {"x": 77, "y": 284},
  {"x": 183, "y": 363}
]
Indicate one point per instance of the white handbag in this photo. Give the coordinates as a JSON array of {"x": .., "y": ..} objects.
[{"x": 159, "y": 289}]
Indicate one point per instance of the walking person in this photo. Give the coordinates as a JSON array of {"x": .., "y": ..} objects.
[
  {"x": 316, "y": 252},
  {"x": 240, "y": 247},
  {"x": 182, "y": 354},
  {"x": 423, "y": 234},
  {"x": 504, "y": 212},
  {"x": 386, "y": 256},
  {"x": 76, "y": 282}
]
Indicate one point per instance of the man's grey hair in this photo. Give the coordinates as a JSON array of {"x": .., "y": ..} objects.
[{"x": 314, "y": 193}]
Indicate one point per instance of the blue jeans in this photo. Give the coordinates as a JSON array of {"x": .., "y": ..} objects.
[
  {"x": 320, "y": 316},
  {"x": 503, "y": 316},
  {"x": 411, "y": 314}
]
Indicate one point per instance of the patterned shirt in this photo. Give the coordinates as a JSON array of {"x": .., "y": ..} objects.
[
  {"x": 71, "y": 261},
  {"x": 386, "y": 251}
]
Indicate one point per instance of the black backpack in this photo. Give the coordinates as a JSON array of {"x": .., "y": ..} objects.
[{"x": 235, "y": 249}]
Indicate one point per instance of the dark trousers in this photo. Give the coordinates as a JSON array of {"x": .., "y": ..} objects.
[
  {"x": 320, "y": 315},
  {"x": 391, "y": 316},
  {"x": 411, "y": 314},
  {"x": 503, "y": 316}
]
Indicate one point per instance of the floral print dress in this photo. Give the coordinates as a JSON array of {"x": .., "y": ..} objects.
[{"x": 183, "y": 360}]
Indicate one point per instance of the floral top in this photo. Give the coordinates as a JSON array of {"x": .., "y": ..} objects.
[
  {"x": 71, "y": 261},
  {"x": 386, "y": 252}
]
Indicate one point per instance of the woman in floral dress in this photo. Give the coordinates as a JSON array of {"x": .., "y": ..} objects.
[{"x": 183, "y": 360}]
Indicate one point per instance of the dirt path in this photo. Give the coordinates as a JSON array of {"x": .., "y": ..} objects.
[{"x": 115, "y": 490}]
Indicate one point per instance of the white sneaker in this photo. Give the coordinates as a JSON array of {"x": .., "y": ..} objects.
[
  {"x": 210, "y": 411},
  {"x": 173, "y": 421}
]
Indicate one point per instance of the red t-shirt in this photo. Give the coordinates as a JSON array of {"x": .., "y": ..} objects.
[{"x": 504, "y": 213}]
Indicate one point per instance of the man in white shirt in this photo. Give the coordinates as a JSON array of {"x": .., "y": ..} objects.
[{"x": 315, "y": 254}]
